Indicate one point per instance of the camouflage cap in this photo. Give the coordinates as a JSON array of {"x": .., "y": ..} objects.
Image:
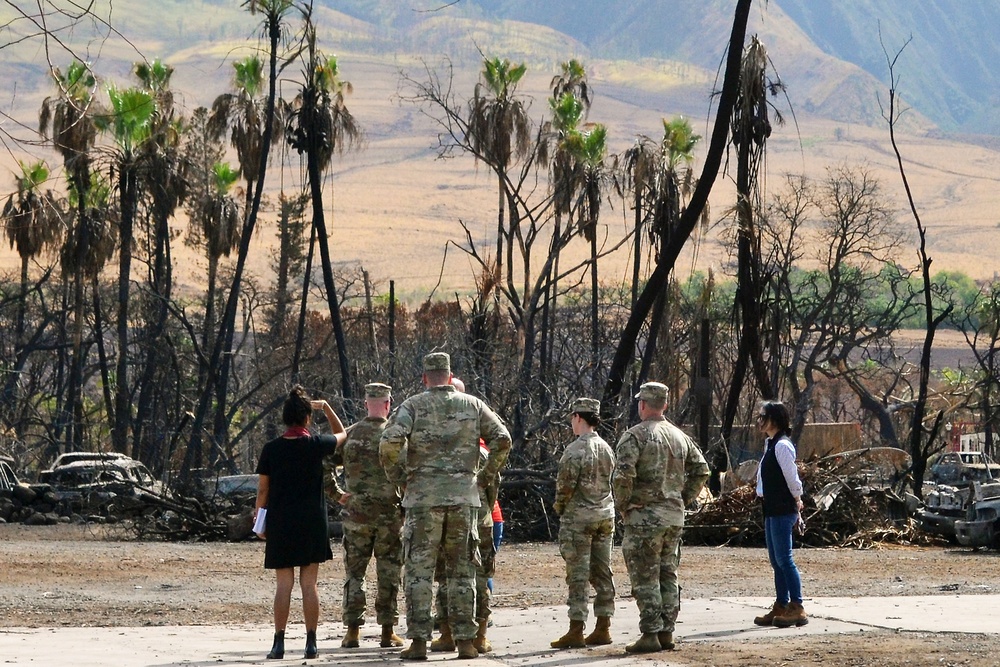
[
  {"x": 586, "y": 405},
  {"x": 377, "y": 390},
  {"x": 437, "y": 361},
  {"x": 652, "y": 391}
]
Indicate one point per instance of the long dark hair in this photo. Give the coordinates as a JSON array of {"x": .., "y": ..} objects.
[
  {"x": 777, "y": 414},
  {"x": 297, "y": 408}
]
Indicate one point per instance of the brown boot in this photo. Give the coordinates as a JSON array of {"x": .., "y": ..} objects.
[
  {"x": 466, "y": 649},
  {"x": 648, "y": 643},
  {"x": 666, "y": 640},
  {"x": 353, "y": 637},
  {"x": 416, "y": 651},
  {"x": 389, "y": 638},
  {"x": 481, "y": 643},
  {"x": 767, "y": 619},
  {"x": 572, "y": 639},
  {"x": 444, "y": 643},
  {"x": 794, "y": 615},
  {"x": 601, "y": 635}
]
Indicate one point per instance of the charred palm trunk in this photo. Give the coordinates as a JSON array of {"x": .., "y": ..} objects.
[
  {"x": 312, "y": 126},
  {"x": 300, "y": 329},
  {"x": 689, "y": 219},
  {"x": 148, "y": 387},
  {"x": 103, "y": 360},
  {"x": 128, "y": 194},
  {"x": 227, "y": 327}
]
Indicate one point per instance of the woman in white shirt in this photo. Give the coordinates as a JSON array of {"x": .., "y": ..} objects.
[{"x": 780, "y": 491}]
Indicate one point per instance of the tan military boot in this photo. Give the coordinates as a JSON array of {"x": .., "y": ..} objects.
[
  {"x": 648, "y": 643},
  {"x": 794, "y": 615},
  {"x": 389, "y": 638},
  {"x": 767, "y": 619},
  {"x": 353, "y": 637},
  {"x": 572, "y": 639},
  {"x": 601, "y": 634},
  {"x": 416, "y": 651},
  {"x": 444, "y": 643},
  {"x": 481, "y": 643},
  {"x": 466, "y": 649},
  {"x": 666, "y": 640}
]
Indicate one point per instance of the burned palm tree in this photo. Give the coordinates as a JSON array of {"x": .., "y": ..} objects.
[
  {"x": 73, "y": 132},
  {"x": 570, "y": 104},
  {"x": 131, "y": 122},
  {"x": 661, "y": 179},
  {"x": 217, "y": 384},
  {"x": 589, "y": 149},
  {"x": 751, "y": 128},
  {"x": 566, "y": 178},
  {"x": 499, "y": 131},
  {"x": 33, "y": 220},
  {"x": 163, "y": 184},
  {"x": 322, "y": 126}
]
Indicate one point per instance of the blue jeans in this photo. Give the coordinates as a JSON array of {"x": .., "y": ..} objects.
[{"x": 778, "y": 534}]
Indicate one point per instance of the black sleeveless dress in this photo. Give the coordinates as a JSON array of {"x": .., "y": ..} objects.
[{"x": 296, "y": 522}]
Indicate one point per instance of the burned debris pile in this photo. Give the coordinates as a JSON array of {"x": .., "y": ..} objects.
[{"x": 853, "y": 499}]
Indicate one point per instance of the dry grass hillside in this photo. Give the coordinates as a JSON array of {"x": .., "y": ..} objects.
[{"x": 395, "y": 205}]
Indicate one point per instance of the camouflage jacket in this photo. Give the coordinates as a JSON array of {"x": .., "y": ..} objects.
[
  {"x": 431, "y": 448},
  {"x": 659, "y": 471},
  {"x": 364, "y": 478},
  {"x": 583, "y": 486}
]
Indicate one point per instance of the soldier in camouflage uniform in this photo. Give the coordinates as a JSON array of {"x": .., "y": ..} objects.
[
  {"x": 431, "y": 448},
  {"x": 485, "y": 569},
  {"x": 372, "y": 523},
  {"x": 587, "y": 526},
  {"x": 660, "y": 470}
]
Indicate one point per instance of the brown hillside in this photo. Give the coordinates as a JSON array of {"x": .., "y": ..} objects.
[{"x": 395, "y": 205}]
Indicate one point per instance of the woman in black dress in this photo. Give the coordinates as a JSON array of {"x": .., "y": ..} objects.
[{"x": 290, "y": 487}]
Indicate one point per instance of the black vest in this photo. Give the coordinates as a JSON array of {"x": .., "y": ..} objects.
[{"x": 778, "y": 500}]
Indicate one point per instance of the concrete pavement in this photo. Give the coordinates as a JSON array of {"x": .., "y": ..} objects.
[{"x": 520, "y": 636}]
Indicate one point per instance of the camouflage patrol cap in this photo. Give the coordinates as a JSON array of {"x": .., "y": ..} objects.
[
  {"x": 655, "y": 392},
  {"x": 437, "y": 361},
  {"x": 377, "y": 390},
  {"x": 586, "y": 405}
]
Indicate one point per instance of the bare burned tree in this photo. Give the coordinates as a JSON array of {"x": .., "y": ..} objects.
[
  {"x": 922, "y": 439},
  {"x": 836, "y": 319}
]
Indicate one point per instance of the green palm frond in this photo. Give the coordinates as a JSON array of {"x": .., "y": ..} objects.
[
  {"x": 249, "y": 76},
  {"x": 78, "y": 82},
  {"x": 154, "y": 76},
  {"x": 567, "y": 111},
  {"x": 130, "y": 122},
  {"x": 679, "y": 141},
  {"x": 501, "y": 76},
  {"x": 224, "y": 176}
]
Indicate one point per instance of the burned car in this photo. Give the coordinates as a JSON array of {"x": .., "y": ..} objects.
[
  {"x": 76, "y": 457},
  {"x": 963, "y": 468},
  {"x": 8, "y": 480},
  {"x": 99, "y": 483},
  {"x": 982, "y": 527}
]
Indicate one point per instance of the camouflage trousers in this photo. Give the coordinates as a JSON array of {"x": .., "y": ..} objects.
[
  {"x": 586, "y": 548},
  {"x": 484, "y": 572},
  {"x": 451, "y": 532},
  {"x": 362, "y": 540},
  {"x": 652, "y": 555}
]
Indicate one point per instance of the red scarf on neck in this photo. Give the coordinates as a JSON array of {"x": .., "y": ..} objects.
[{"x": 297, "y": 432}]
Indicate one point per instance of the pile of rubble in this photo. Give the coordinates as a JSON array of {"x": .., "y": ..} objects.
[{"x": 854, "y": 499}]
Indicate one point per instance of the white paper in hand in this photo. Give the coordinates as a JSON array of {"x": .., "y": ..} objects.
[{"x": 258, "y": 525}]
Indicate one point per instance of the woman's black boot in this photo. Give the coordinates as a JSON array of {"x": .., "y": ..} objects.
[
  {"x": 311, "y": 650},
  {"x": 278, "y": 649}
]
